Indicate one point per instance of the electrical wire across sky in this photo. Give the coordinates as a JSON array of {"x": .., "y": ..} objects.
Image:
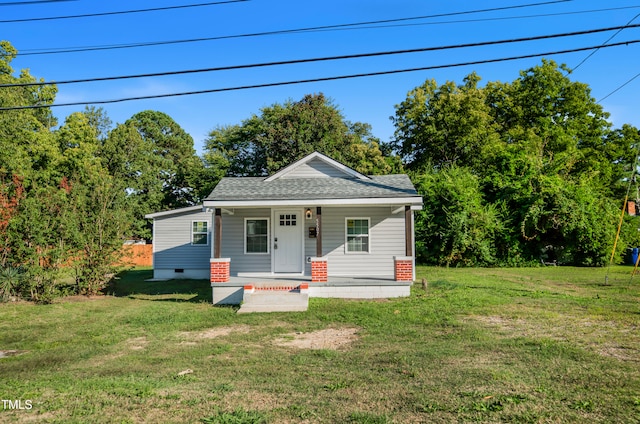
[
  {"x": 380, "y": 24},
  {"x": 312, "y": 80},
  {"x": 324, "y": 59},
  {"x": 127, "y": 55}
]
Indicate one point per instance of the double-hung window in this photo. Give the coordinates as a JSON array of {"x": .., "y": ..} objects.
[
  {"x": 199, "y": 233},
  {"x": 256, "y": 235},
  {"x": 357, "y": 235}
]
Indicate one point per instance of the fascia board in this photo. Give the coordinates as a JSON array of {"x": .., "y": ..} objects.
[
  {"x": 377, "y": 201},
  {"x": 175, "y": 212}
]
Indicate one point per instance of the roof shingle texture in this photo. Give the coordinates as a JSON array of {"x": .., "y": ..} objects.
[{"x": 255, "y": 188}]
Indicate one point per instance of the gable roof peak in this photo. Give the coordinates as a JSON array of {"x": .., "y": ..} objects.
[{"x": 348, "y": 172}]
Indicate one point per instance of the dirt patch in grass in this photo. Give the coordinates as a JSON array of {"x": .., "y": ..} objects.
[
  {"x": 7, "y": 353},
  {"x": 137, "y": 343},
  {"x": 330, "y": 338},
  {"x": 79, "y": 298},
  {"x": 619, "y": 352},
  {"x": 213, "y": 333}
]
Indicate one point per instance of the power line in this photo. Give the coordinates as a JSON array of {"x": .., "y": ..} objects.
[
  {"x": 620, "y": 87},
  {"x": 319, "y": 59},
  {"x": 27, "y": 3},
  {"x": 122, "y": 12},
  {"x": 279, "y": 32},
  {"x": 608, "y": 39},
  {"x": 322, "y": 79}
]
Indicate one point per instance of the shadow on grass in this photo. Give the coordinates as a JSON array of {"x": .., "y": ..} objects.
[{"x": 133, "y": 284}]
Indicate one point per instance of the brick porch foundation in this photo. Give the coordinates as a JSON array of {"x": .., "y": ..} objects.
[
  {"x": 403, "y": 266},
  {"x": 220, "y": 270},
  {"x": 319, "y": 270}
]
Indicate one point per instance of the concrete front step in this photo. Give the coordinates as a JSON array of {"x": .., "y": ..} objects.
[{"x": 274, "y": 301}]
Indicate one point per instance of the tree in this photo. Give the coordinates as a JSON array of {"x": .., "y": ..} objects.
[
  {"x": 456, "y": 226},
  {"x": 11, "y": 193},
  {"x": 155, "y": 159},
  {"x": 26, "y": 146},
  {"x": 96, "y": 221},
  {"x": 445, "y": 125},
  {"x": 283, "y": 133},
  {"x": 545, "y": 157}
]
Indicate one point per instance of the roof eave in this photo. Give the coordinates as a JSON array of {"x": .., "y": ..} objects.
[
  {"x": 364, "y": 201},
  {"x": 174, "y": 212}
]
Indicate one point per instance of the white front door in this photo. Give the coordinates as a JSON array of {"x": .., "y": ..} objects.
[{"x": 287, "y": 241}]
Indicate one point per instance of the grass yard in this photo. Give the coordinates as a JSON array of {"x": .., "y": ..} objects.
[{"x": 536, "y": 345}]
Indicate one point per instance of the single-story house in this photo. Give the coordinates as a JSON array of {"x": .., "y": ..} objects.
[{"x": 315, "y": 222}]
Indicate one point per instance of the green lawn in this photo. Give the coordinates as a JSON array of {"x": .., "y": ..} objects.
[{"x": 552, "y": 345}]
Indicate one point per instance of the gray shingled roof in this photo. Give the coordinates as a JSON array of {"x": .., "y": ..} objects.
[{"x": 255, "y": 188}]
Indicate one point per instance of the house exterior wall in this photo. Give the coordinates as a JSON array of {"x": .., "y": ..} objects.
[
  {"x": 386, "y": 238},
  {"x": 233, "y": 242},
  {"x": 315, "y": 169},
  {"x": 172, "y": 248}
]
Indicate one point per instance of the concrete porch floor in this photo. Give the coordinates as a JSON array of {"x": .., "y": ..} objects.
[
  {"x": 233, "y": 291},
  {"x": 276, "y": 280}
]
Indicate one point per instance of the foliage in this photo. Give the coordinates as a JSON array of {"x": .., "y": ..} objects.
[
  {"x": 96, "y": 221},
  {"x": 445, "y": 125},
  {"x": 455, "y": 226},
  {"x": 156, "y": 161},
  {"x": 547, "y": 162},
  {"x": 283, "y": 133},
  {"x": 10, "y": 281},
  {"x": 59, "y": 206},
  {"x": 10, "y": 196}
]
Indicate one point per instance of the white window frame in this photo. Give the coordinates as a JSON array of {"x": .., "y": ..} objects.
[
  {"x": 244, "y": 239},
  {"x": 346, "y": 235},
  {"x": 206, "y": 233}
]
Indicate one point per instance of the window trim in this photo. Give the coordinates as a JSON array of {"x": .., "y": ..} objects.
[
  {"x": 244, "y": 239},
  {"x": 206, "y": 233},
  {"x": 346, "y": 235}
]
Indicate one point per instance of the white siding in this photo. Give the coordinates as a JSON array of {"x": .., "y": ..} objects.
[
  {"x": 233, "y": 242},
  {"x": 316, "y": 169},
  {"x": 172, "y": 244},
  {"x": 386, "y": 240}
]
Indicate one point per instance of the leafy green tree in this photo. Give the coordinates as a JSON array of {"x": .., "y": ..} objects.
[
  {"x": 99, "y": 121},
  {"x": 283, "y": 133},
  {"x": 26, "y": 146},
  {"x": 79, "y": 147},
  {"x": 37, "y": 242},
  {"x": 456, "y": 226},
  {"x": 155, "y": 159},
  {"x": 96, "y": 221},
  {"x": 547, "y": 161},
  {"x": 443, "y": 125}
]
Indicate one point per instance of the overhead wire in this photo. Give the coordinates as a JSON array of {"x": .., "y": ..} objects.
[
  {"x": 320, "y": 59},
  {"x": 596, "y": 50},
  {"x": 28, "y": 3},
  {"x": 313, "y": 80},
  {"x": 608, "y": 39},
  {"x": 620, "y": 87},
  {"x": 122, "y": 12},
  {"x": 336, "y": 27}
]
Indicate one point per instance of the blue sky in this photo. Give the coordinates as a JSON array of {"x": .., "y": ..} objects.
[{"x": 369, "y": 99}]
